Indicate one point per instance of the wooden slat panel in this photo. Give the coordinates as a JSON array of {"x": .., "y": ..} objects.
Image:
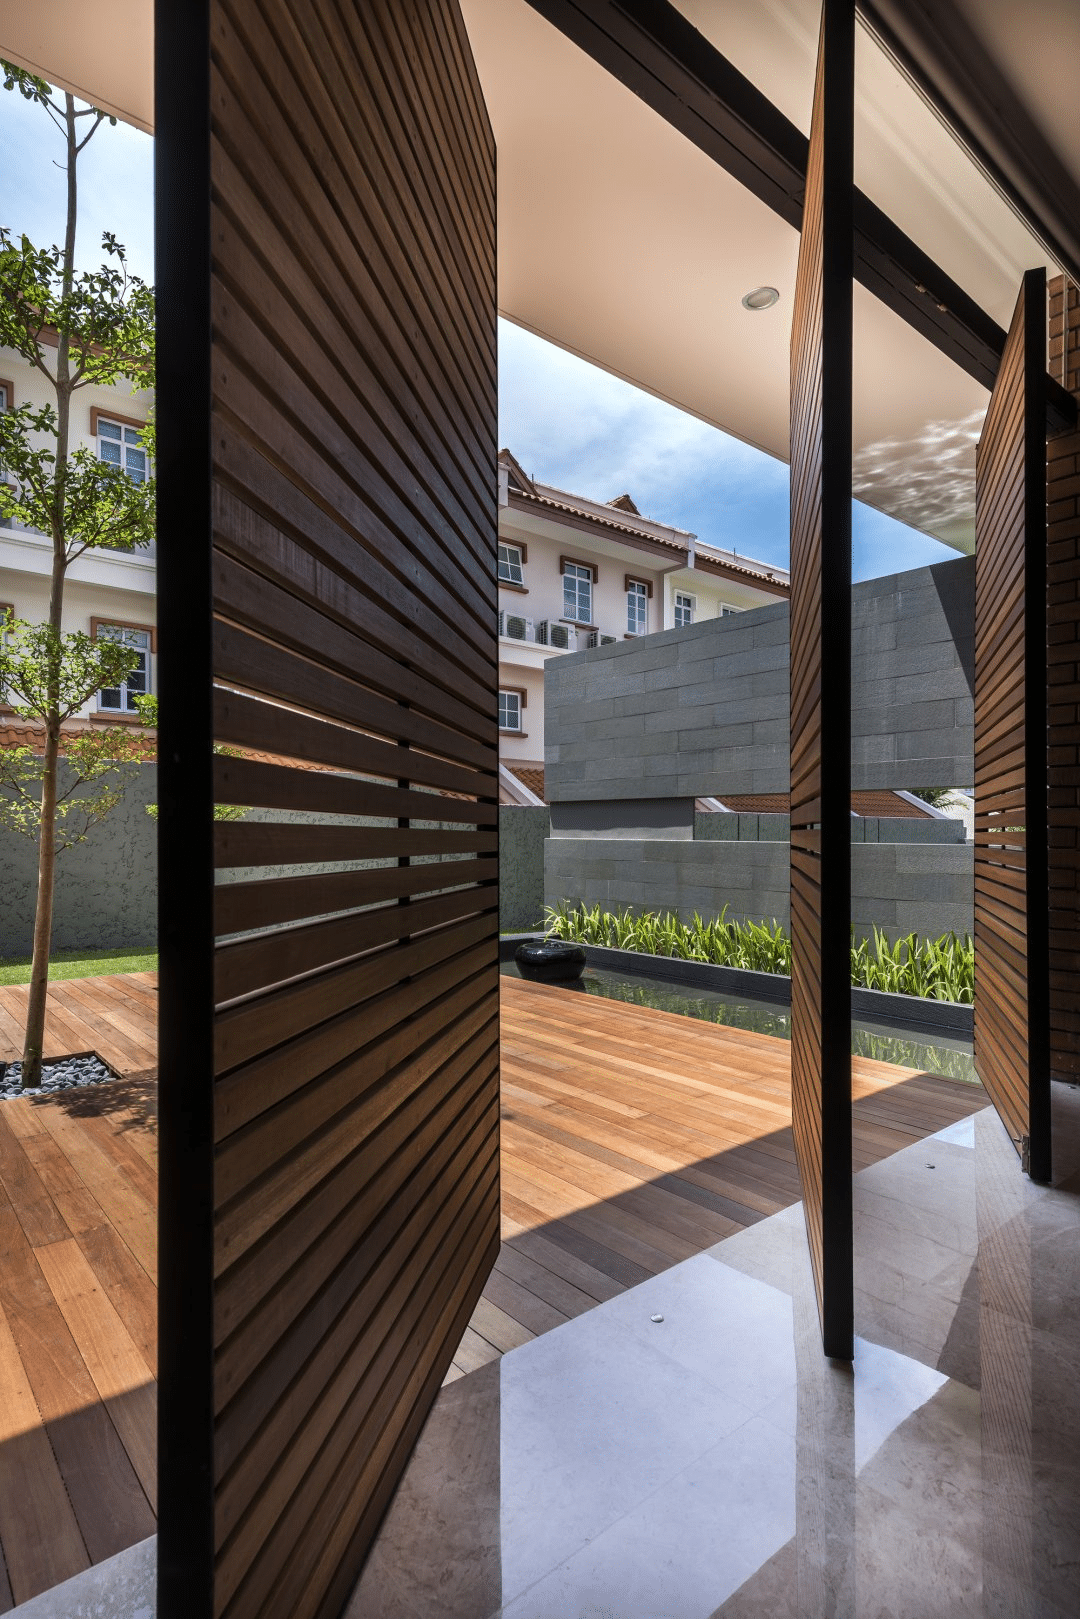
[
  {"x": 347, "y": 607},
  {"x": 821, "y": 682},
  {"x": 1011, "y": 872},
  {"x": 1063, "y": 614}
]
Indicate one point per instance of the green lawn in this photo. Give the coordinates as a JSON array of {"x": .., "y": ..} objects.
[{"x": 81, "y": 964}]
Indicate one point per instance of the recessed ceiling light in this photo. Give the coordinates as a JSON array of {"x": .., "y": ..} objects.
[{"x": 761, "y": 298}]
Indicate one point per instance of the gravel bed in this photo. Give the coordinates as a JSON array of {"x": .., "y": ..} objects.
[{"x": 66, "y": 1075}]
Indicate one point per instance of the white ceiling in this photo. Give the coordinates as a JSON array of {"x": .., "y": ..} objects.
[
  {"x": 619, "y": 240},
  {"x": 103, "y": 53}
]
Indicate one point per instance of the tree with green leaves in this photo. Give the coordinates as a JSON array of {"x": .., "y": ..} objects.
[{"x": 76, "y": 327}]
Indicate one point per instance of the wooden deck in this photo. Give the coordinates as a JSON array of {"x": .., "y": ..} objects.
[
  {"x": 631, "y": 1140},
  {"x": 78, "y": 1291},
  {"x": 115, "y": 1016}
]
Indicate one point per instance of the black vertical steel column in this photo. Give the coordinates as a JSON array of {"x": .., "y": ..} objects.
[
  {"x": 821, "y": 359},
  {"x": 185, "y": 815}
]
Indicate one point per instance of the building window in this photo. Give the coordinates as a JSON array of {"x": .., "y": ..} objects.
[
  {"x": 726, "y": 611},
  {"x": 510, "y": 711},
  {"x": 121, "y": 446},
  {"x": 122, "y": 699},
  {"x": 684, "y": 609},
  {"x": 577, "y": 583},
  {"x": 637, "y": 609},
  {"x": 510, "y": 564}
]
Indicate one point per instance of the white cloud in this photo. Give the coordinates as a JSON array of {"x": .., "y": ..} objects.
[{"x": 574, "y": 425}]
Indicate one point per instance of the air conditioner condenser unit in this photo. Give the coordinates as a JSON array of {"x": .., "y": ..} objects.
[{"x": 559, "y": 635}]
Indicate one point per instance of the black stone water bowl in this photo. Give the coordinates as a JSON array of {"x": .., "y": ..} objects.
[{"x": 551, "y": 961}]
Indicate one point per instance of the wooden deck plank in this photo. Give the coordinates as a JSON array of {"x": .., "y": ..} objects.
[
  {"x": 42, "y": 1543},
  {"x": 78, "y": 1241},
  {"x": 634, "y": 1137},
  {"x": 133, "y": 1216},
  {"x": 114, "y": 1015},
  {"x": 121, "y": 1376},
  {"x": 109, "y": 1504}
]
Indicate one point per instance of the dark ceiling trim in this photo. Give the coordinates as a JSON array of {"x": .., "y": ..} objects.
[
  {"x": 937, "y": 48},
  {"x": 649, "y": 46}
]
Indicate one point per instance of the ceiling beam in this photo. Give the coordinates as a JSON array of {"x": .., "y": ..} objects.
[{"x": 649, "y": 46}]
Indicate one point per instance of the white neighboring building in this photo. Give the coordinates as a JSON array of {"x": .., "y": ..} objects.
[
  {"x": 105, "y": 590},
  {"x": 574, "y": 573}
]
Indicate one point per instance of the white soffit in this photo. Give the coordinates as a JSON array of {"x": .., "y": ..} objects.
[
  {"x": 621, "y": 241},
  {"x": 103, "y": 53}
]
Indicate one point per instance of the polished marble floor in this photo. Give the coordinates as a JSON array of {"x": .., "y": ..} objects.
[{"x": 713, "y": 1463}]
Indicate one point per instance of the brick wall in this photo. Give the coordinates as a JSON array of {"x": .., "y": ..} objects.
[{"x": 1063, "y": 595}]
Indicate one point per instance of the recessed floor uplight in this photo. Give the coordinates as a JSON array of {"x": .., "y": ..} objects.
[{"x": 761, "y": 298}]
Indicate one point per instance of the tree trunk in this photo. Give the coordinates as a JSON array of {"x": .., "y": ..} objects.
[
  {"x": 33, "y": 1045},
  {"x": 34, "y": 1040}
]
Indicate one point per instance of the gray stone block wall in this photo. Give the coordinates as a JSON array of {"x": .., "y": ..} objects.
[
  {"x": 734, "y": 828},
  {"x": 704, "y": 710},
  {"x": 903, "y": 888},
  {"x": 106, "y": 888}
]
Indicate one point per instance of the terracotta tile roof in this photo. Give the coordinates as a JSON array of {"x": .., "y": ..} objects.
[
  {"x": 883, "y": 802},
  {"x": 573, "y": 510},
  {"x": 887, "y": 803},
  {"x": 15, "y": 733},
  {"x": 530, "y": 776},
  {"x": 755, "y": 803}
]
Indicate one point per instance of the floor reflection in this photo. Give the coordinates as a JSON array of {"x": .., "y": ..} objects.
[{"x": 713, "y": 1463}]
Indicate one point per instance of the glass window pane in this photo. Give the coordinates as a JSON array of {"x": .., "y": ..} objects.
[
  {"x": 111, "y": 453},
  {"x": 510, "y": 570},
  {"x": 109, "y": 429}
]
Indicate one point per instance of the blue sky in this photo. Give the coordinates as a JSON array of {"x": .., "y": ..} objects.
[
  {"x": 567, "y": 422},
  {"x": 116, "y": 184},
  {"x": 573, "y": 425}
]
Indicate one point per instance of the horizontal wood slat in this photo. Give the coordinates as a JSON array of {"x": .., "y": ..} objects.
[
  {"x": 347, "y": 608},
  {"x": 270, "y": 785},
  {"x": 1011, "y": 858},
  {"x": 820, "y": 682}
]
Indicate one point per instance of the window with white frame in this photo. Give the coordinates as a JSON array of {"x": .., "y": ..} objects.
[
  {"x": 684, "y": 609},
  {"x": 122, "y": 699},
  {"x": 637, "y": 607},
  {"x": 509, "y": 711},
  {"x": 511, "y": 559},
  {"x": 726, "y": 610},
  {"x": 577, "y": 583},
  {"x": 121, "y": 445}
]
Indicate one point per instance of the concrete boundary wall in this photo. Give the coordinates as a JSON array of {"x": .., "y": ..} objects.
[{"x": 106, "y": 888}]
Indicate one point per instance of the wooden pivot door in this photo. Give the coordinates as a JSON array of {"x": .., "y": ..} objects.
[
  {"x": 821, "y": 683},
  {"x": 329, "y": 677},
  {"x": 1012, "y": 1010}
]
